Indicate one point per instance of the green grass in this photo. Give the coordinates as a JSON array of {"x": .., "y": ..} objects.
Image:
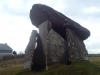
[
  {"x": 10, "y": 70},
  {"x": 11, "y": 66},
  {"x": 12, "y": 62},
  {"x": 76, "y": 68},
  {"x": 95, "y": 60}
]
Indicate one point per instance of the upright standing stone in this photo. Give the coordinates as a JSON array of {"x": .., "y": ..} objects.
[
  {"x": 44, "y": 29},
  {"x": 56, "y": 48},
  {"x": 30, "y": 51},
  {"x": 76, "y": 47}
]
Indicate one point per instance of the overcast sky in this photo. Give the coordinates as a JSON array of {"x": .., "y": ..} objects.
[{"x": 16, "y": 27}]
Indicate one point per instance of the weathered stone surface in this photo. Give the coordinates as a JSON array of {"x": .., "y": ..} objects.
[
  {"x": 56, "y": 48},
  {"x": 30, "y": 50},
  {"x": 44, "y": 29},
  {"x": 40, "y": 13},
  {"x": 76, "y": 47},
  {"x": 39, "y": 59}
]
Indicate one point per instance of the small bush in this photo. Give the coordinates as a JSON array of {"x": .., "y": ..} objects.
[{"x": 10, "y": 57}]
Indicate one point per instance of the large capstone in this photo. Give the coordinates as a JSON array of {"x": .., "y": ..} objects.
[
  {"x": 40, "y": 13},
  {"x": 76, "y": 47},
  {"x": 56, "y": 49},
  {"x": 30, "y": 51}
]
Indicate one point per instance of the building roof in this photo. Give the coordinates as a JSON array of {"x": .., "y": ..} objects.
[{"x": 5, "y": 47}]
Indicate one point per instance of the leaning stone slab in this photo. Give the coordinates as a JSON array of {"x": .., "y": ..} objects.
[
  {"x": 76, "y": 47},
  {"x": 44, "y": 29},
  {"x": 30, "y": 50},
  {"x": 56, "y": 48}
]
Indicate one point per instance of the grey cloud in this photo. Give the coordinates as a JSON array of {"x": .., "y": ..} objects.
[
  {"x": 94, "y": 45},
  {"x": 75, "y": 8},
  {"x": 19, "y": 11}
]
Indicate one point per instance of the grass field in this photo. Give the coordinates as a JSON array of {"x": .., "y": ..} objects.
[
  {"x": 10, "y": 63},
  {"x": 95, "y": 60},
  {"x": 77, "y": 68},
  {"x": 10, "y": 70}
]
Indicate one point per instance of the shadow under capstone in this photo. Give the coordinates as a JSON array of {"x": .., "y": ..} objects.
[{"x": 39, "y": 56}]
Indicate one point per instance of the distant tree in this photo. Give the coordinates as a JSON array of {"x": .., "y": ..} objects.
[
  {"x": 20, "y": 53},
  {"x": 14, "y": 52}
]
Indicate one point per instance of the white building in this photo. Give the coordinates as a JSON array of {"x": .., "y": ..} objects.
[{"x": 5, "y": 49}]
